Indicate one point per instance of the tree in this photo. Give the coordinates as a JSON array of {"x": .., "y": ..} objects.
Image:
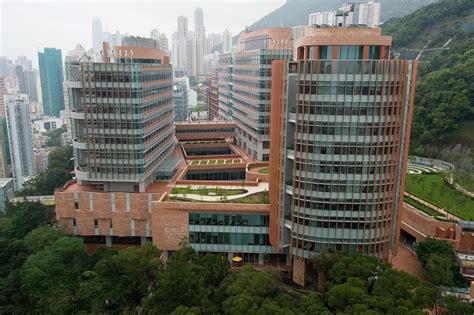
[
  {"x": 120, "y": 281},
  {"x": 49, "y": 277},
  {"x": 40, "y": 238},
  {"x": 55, "y": 137},
  {"x": 343, "y": 296},
  {"x": 433, "y": 246},
  {"x": 362, "y": 267},
  {"x": 26, "y": 216},
  {"x": 455, "y": 307},
  {"x": 60, "y": 164},
  {"x": 311, "y": 304},
  {"x": 177, "y": 285},
  {"x": 184, "y": 310},
  {"x": 322, "y": 263},
  {"x": 242, "y": 304},
  {"x": 438, "y": 270}
]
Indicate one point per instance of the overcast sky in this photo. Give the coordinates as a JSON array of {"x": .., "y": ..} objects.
[{"x": 27, "y": 26}]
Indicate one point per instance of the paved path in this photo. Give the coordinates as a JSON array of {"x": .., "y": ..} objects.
[
  {"x": 435, "y": 208},
  {"x": 407, "y": 261},
  {"x": 250, "y": 190}
]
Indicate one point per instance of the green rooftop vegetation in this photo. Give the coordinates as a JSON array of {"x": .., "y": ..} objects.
[
  {"x": 212, "y": 191},
  {"x": 264, "y": 170},
  {"x": 421, "y": 207},
  {"x": 464, "y": 179},
  {"x": 433, "y": 188},
  {"x": 257, "y": 198}
]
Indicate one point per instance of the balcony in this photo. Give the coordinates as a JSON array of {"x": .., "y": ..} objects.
[
  {"x": 77, "y": 115},
  {"x": 74, "y": 84},
  {"x": 81, "y": 174},
  {"x": 79, "y": 144}
]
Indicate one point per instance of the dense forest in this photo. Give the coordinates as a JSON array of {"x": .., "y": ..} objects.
[
  {"x": 45, "y": 272},
  {"x": 443, "y": 124}
]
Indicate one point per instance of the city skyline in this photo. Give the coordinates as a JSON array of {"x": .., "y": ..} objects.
[{"x": 76, "y": 18}]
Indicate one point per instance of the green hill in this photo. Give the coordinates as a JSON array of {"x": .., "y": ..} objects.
[
  {"x": 296, "y": 12},
  {"x": 444, "y": 106}
]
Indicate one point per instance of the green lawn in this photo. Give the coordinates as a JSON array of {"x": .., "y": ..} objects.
[
  {"x": 264, "y": 170},
  {"x": 464, "y": 179},
  {"x": 434, "y": 189},
  {"x": 421, "y": 207},
  {"x": 257, "y": 198},
  {"x": 205, "y": 191}
]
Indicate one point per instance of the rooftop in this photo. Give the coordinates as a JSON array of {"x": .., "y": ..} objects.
[{"x": 5, "y": 181}]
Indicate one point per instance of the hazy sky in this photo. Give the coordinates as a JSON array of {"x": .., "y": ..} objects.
[{"x": 27, "y": 26}]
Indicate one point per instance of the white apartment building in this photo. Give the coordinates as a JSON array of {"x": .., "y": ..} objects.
[{"x": 20, "y": 138}]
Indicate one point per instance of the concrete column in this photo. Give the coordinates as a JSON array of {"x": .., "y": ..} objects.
[
  {"x": 288, "y": 260},
  {"x": 143, "y": 240},
  {"x": 164, "y": 256},
  {"x": 261, "y": 258},
  {"x": 229, "y": 256},
  {"x": 108, "y": 241},
  {"x": 142, "y": 187}
]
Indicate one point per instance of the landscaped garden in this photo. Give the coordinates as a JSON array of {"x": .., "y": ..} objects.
[
  {"x": 465, "y": 180},
  {"x": 256, "y": 198},
  {"x": 433, "y": 188},
  {"x": 211, "y": 191},
  {"x": 422, "y": 207}
]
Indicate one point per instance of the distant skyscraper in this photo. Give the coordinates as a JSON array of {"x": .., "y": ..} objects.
[
  {"x": 180, "y": 51},
  {"x": 142, "y": 42},
  {"x": 20, "y": 138},
  {"x": 97, "y": 34},
  {"x": 3, "y": 92},
  {"x": 20, "y": 75},
  {"x": 198, "y": 20},
  {"x": 51, "y": 74},
  {"x": 369, "y": 13},
  {"x": 201, "y": 43},
  {"x": 3, "y": 150},
  {"x": 164, "y": 45},
  {"x": 31, "y": 78},
  {"x": 116, "y": 39},
  {"x": 323, "y": 18},
  {"x": 226, "y": 41},
  {"x": 24, "y": 62},
  {"x": 214, "y": 40},
  {"x": 161, "y": 38},
  {"x": 182, "y": 27},
  {"x": 180, "y": 97}
]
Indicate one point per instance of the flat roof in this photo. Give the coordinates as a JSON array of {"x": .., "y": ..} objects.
[{"x": 5, "y": 181}]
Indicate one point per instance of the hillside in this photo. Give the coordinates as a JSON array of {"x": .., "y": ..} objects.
[
  {"x": 295, "y": 12},
  {"x": 444, "y": 106}
]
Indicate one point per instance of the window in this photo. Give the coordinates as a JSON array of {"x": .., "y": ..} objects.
[{"x": 96, "y": 223}]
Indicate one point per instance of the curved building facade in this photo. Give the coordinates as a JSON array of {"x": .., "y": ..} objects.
[{"x": 345, "y": 125}]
